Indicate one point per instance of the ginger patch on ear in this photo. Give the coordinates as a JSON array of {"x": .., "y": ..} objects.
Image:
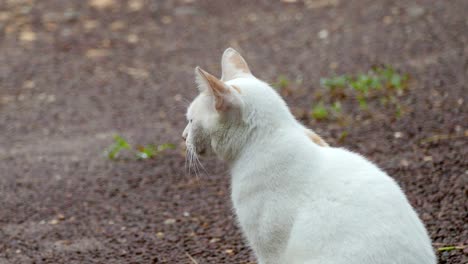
[
  {"x": 236, "y": 88},
  {"x": 239, "y": 63}
]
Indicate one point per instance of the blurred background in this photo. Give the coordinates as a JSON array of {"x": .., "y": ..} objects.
[{"x": 93, "y": 95}]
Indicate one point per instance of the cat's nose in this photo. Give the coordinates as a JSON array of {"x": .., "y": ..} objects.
[{"x": 184, "y": 137}]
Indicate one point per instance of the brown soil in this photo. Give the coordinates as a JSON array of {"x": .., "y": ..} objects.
[{"x": 73, "y": 73}]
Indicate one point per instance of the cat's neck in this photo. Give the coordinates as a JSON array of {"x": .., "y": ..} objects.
[
  {"x": 229, "y": 143},
  {"x": 255, "y": 142}
]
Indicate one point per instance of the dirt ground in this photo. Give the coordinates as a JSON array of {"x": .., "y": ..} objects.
[{"x": 74, "y": 73}]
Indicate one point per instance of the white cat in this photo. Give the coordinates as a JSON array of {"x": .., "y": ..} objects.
[{"x": 297, "y": 200}]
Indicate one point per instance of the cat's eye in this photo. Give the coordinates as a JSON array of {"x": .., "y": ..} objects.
[{"x": 190, "y": 120}]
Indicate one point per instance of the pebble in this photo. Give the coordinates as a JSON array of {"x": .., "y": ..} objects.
[
  {"x": 214, "y": 240},
  {"x": 387, "y": 20},
  {"x": 132, "y": 38},
  {"x": 404, "y": 163},
  {"x": 169, "y": 221},
  {"x": 416, "y": 11},
  {"x": 427, "y": 158},
  {"x": 323, "y": 34},
  {"x": 97, "y": 53}
]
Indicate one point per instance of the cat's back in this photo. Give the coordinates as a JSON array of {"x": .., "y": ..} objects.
[
  {"x": 335, "y": 198},
  {"x": 353, "y": 205}
]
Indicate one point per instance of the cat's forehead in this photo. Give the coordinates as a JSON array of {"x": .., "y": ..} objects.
[{"x": 197, "y": 106}]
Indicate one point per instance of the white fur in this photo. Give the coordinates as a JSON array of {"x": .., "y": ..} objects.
[{"x": 298, "y": 202}]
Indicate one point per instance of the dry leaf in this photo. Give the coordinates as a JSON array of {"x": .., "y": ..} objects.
[
  {"x": 97, "y": 53},
  {"x": 27, "y": 36},
  {"x": 135, "y": 5},
  {"x": 4, "y": 16},
  {"x": 7, "y": 99},
  {"x": 29, "y": 84},
  {"x": 132, "y": 38},
  {"x": 313, "y": 4},
  {"x": 117, "y": 25},
  {"x": 101, "y": 4},
  {"x": 134, "y": 72},
  {"x": 166, "y": 19},
  {"x": 90, "y": 24}
]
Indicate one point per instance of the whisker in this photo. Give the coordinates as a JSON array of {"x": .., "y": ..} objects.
[
  {"x": 201, "y": 165},
  {"x": 194, "y": 158},
  {"x": 190, "y": 160},
  {"x": 185, "y": 163},
  {"x": 195, "y": 165}
]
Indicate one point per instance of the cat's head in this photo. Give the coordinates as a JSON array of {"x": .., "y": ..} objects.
[{"x": 229, "y": 111}]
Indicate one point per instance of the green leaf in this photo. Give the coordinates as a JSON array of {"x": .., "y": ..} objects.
[
  {"x": 337, "y": 82},
  {"x": 166, "y": 146},
  {"x": 319, "y": 112},
  {"x": 450, "y": 248},
  {"x": 151, "y": 151},
  {"x": 146, "y": 152},
  {"x": 282, "y": 82},
  {"x": 362, "y": 102},
  {"x": 119, "y": 144},
  {"x": 343, "y": 136},
  {"x": 376, "y": 83},
  {"x": 337, "y": 107}
]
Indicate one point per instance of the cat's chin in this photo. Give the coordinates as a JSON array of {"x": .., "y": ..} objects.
[
  {"x": 205, "y": 153},
  {"x": 202, "y": 152}
]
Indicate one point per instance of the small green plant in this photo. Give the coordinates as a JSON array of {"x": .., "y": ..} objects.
[
  {"x": 392, "y": 79},
  {"x": 151, "y": 151},
  {"x": 319, "y": 112},
  {"x": 322, "y": 111},
  {"x": 343, "y": 136},
  {"x": 362, "y": 102},
  {"x": 363, "y": 83},
  {"x": 141, "y": 152},
  {"x": 381, "y": 82},
  {"x": 336, "y": 82},
  {"x": 337, "y": 107},
  {"x": 119, "y": 144},
  {"x": 282, "y": 82}
]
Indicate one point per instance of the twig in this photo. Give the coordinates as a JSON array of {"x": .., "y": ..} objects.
[
  {"x": 450, "y": 248},
  {"x": 442, "y": 137},
  {"x": 194, "y": 261}
]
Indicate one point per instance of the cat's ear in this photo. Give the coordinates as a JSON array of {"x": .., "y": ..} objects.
[
  {"x": 233, "y": 65},
  {"x": 223, "y": 95}
]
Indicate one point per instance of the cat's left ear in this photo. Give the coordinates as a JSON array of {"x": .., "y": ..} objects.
[
  {"x": 233, "y": 65},
  {"x": 224, "y": 96}
]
